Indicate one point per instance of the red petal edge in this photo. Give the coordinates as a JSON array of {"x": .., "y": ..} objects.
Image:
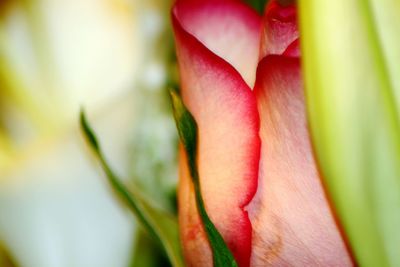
[
  {"x": 225, "y": 110},
  {"x": 228, "y": 28}
]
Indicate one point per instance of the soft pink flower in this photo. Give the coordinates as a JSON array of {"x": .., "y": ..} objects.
[{"x": 241, "y": 80}]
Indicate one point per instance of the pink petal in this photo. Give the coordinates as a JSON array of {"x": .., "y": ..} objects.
[
  {"x": 196, "y": 249},
  {"x": 279, "y": 28},
  {"x": 292, "y": 221},
  {"x": 225, "y": 110},
  {"x": 227, "y": 28}
]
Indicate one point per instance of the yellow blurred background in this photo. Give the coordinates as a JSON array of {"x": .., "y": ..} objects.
[{"x": 112, "y": 58}]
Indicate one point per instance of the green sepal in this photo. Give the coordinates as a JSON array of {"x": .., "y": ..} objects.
[
  {"x": 187, "y": 129},
  {"x": 159, "y": 224}
]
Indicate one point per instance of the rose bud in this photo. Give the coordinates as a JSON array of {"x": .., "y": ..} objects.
[{"x": 258, "y": 176}]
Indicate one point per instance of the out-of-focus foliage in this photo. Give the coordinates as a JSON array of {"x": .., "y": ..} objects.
[
  {"x": 148, "y": 254},
  {"x": 154, "y": 169},
  {"x": 55, "y": 56},
  {"x": 5, "y": 260},
  {"x": 351, "y": 65},
  {"x": 154, "y": 140},
  {"x": 157, "y": 223}
]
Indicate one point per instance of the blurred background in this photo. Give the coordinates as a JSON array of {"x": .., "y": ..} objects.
[{"x": 113, "y": 58}]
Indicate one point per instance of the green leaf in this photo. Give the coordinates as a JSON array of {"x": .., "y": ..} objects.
[
  {"x": 351, "y": 66},
  {"x": 187, "y": 129},
  {"x": 257, "y": 5},
  {"x": 159, "y": 224}
]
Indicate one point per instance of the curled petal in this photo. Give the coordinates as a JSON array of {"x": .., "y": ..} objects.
[
  {"x": 225, "y": 109},
  {"x": 228, "y": 28}
]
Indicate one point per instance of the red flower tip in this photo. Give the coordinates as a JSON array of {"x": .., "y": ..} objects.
[
  {"x": 280, "y": 28},
  {"x": 282, "y": 13}
]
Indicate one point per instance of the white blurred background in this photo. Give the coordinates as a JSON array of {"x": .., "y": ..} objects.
[{"x": 110, "y": 57}]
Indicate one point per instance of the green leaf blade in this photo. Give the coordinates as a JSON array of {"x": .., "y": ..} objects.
[
  {"x": 386, "y": 19},
  {"x": 353, "y": 114},
  {"x": 159, "y": 224}
]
